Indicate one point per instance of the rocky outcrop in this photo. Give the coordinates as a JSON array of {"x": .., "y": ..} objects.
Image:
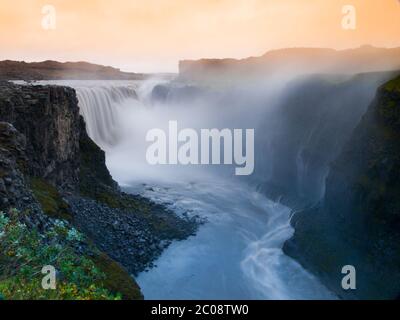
[
  {"x": 312, "y": 121},
  {"x": 358, "y": 221},
  {"x": 15, "y": 185},
  {"x": 49, "y": 166},
  {"x": 53, "y": 70},
  {"x": 13, "y": 188},
  {"x": 94, "y": 177},
  {"x": 133, "y": 240},
  {"x": 48, "y": 117}
]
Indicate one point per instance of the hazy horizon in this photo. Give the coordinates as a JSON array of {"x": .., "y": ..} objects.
[
  {"x": 154, "y": 35},
  {"x": 177, "y": 71}
]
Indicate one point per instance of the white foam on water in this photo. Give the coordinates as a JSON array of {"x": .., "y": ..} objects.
[{"x": 238, "y": 253}]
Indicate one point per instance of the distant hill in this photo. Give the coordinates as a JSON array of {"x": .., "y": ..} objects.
[
  {"x": 53, "y": 70},
  {"x": 300, "y": 60}
]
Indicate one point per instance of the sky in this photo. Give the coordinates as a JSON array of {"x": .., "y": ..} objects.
[{"x": 153, "y": 35}]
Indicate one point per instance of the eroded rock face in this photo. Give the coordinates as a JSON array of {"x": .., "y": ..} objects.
[
  {"x": 13, "y": 189},
  {"x": 358, "y": 221},
  {"x": 51, "y": 169},
  {"x": 49, "y": 144},
  {"x": 48, "y": 117}
]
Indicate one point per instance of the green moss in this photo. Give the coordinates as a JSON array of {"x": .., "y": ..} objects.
[
  {"x": 391, "y": 104},
  {"x": 393, "y": 85},
  {"x": 118, "y": 279},
  {"x": 50, "y": 200},
  {"x": 109, "y": 199},
  {"x": 120, "y": 201}
]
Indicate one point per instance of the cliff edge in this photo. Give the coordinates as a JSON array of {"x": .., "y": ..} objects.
[
  {"x": 358, "y": 221},
  {"x": 53, "y": 178}
]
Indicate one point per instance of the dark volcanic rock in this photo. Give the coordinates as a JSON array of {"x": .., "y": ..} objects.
[
  {"x": 358, "y": 221},
  {"x": 308, "y": 130},
  {"x": 13, "y": 189},
  {"x": 94, "y": 177},
  {"x": 48, "y": 117},
  {"x": 127, "y": 236},
  {"x": 49, "y": 165}
]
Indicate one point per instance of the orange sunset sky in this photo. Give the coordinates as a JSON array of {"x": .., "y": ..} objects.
[{"x": 153, "y": 35}]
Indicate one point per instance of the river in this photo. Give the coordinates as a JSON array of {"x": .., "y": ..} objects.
[{"x": 237, "y": 253}]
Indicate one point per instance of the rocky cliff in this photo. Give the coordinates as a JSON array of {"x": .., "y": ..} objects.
[
  {"x": 49, "y": 119},
  {"x": 50, "y": 169},
  {"x": 14, "y": 191},
  {"x": 54, "y": 70},
  {"x": 300, "y": 131},
  {"x": 357, "y": 222},
  {"x": 292, "y": 61},
  {"x": 312, "y": 121}
]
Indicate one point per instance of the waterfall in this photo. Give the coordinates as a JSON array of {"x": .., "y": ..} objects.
[
  {"x": 100, "y": 106},
  {"x": 300, "y": 126},
  {"x": 299, "y": 130}
]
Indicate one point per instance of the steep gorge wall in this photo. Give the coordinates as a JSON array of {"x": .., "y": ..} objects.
[
  {"x": 301, "y": 124},
  {"x": 51, "y": 169},
  {"x": 307, "y": 131},
  {"x": 45, "y": 156},
  {"x": 48, "y": 117},
  {"x": 358, "y": 221}
]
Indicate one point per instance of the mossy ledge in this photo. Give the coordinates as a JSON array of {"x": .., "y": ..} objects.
[
  {"x": 118, "y": 279},
  {"x": 393, "y": 85},
  {"x": 50, "y": 199}
]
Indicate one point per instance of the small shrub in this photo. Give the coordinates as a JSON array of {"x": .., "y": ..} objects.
[{"x": 23, "y": 253}]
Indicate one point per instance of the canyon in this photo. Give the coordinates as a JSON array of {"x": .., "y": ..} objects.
[
  {"x": 323, "y": 194},
  {"x": 50, "y": 169}
]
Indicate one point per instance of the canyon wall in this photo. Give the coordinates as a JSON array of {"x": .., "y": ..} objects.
[
  {"x": 357, "y": 222},
  {"x": 51, "y": 169},
  {"x": 49, "y": 119}
]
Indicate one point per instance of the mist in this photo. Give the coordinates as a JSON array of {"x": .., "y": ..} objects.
[{"x": 300, "y": 124}]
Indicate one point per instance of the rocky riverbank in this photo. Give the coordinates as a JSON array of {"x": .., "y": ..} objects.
[
  {"x": 51, "y": 170},
  {"x": 125, "y": 235}
]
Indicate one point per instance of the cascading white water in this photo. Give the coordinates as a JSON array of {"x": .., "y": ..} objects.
[
  {"x": 101, "y": 105},
  {"x": 98, "y": 106},
  {"x": 238, "y": 253}
]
